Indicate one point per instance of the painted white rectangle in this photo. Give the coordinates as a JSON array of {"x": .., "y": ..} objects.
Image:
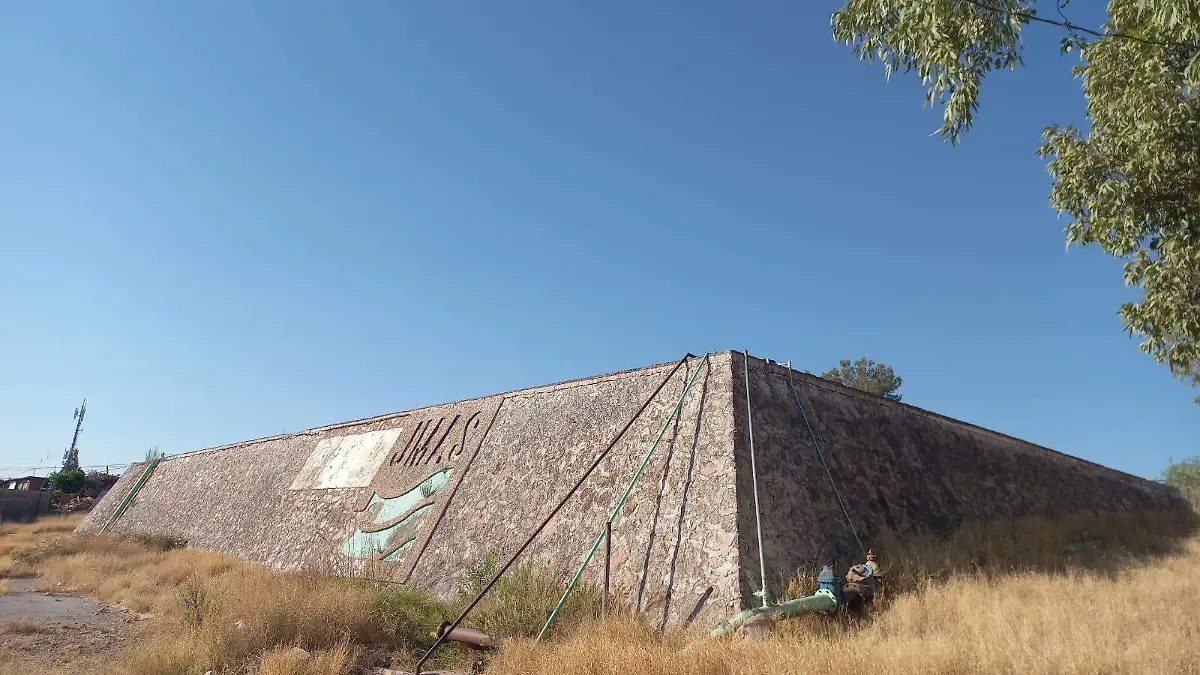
[{"x": 345, "y": 461}]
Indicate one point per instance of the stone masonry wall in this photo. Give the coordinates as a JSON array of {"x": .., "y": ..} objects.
[
  {"x": 416, "y": 497},
  {"x": 236, "y": 499},
  {"x": 420, "y": 495},
  {"x": 899, "y": 468},
  {"x": 676, "y": 540}
]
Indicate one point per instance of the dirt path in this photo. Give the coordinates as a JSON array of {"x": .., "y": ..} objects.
[{"x": 41, "y": 628}]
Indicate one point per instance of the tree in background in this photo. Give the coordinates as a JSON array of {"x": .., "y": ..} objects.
[
  {"x": 868, "y": 376},
  {"x": 1184, "y": 476},
  {"x": 1130, "y": 181},
  {"x": 71, "y": 459},
  {"x": 68, "y": 481}
]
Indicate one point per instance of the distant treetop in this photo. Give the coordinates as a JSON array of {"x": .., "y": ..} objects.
[{"x": 866, "y": 375}]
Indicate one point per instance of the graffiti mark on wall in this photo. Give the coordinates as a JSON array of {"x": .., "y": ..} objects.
[
  {"x": 413, "y": 481},
  {"x": 390, "y": 533},
  {"x": 420, "y": 449}
]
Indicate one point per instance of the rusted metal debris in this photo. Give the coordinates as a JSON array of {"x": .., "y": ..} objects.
[{"x": 475, "y": 639}]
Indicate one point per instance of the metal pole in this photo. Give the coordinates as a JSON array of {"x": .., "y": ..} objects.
[
  {"x": 72, "y": 454},
  {"x": 607, "y": 559},
  {"x": 762, "y": 565}
]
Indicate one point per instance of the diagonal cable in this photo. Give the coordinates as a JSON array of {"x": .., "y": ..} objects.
[{"x": 821, "y": 456}]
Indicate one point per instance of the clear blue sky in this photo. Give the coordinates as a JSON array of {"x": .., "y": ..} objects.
[{"x": 226, "y": 220}]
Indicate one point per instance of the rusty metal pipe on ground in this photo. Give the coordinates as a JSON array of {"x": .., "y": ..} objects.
[{"x": 475, "y": 639}]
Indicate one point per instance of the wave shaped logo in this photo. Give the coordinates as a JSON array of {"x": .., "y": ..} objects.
[{"x": 391, "y": 532}]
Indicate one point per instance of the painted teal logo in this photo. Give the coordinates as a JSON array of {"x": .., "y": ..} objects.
[{"x": 390, "y": 534}]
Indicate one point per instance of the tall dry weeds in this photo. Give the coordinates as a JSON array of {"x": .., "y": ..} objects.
[
  {"x": 288, "y": 661},
  {"x": 214, "y": 612},
  {"x": 1035, "y": 623},
  {"x": 16, "y": 537},
  {"x": 223, "y": 615},
  {"x": 1094, "y": 594},
  {"x": 1102, "y": 594}
]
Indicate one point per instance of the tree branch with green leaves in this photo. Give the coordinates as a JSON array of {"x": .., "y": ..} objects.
[{"x": 1130, "y": 182}]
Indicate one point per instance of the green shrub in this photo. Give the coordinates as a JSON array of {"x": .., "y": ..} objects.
[
  {"x": 157, "y": 542},
  {"x": 519, "y": 604},
  {"x": 1185, "y": 476},
  {"x": 408, "y": 616},
  {"x": 195, "y": 599},
  {"x": 68, "y": 481}
]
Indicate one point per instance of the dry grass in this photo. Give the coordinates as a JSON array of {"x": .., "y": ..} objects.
[
  {"x": 214, "y": 612},
  {"x": 1107, "y": 545},
  {"x": 21, "y": 536},
  {"x": 218, "y": 613},
  {"x": 1192, "y": 494},
  {"x": 20, "y": 627},
  {"x": 287, "y": 661},
  {"x": 1114, "y": 594},
  {"x": 1029, "y": 624},
  {"x": 1032, "y": 597}
]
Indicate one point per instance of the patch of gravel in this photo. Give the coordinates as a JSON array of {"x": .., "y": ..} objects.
[{"x": 48, "y": 627}]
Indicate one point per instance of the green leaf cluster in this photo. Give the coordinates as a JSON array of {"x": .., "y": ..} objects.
[
  {"x": 1130, "y": 182},
  {"x": 950, "y": 44},
  {"x": 1184, "y": 475},
  {"x": 68, "y": 481},
  {"x": 866, "y": 375}
]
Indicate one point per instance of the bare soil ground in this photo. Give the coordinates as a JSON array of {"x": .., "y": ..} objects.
[{"x": 42, "y": 629}]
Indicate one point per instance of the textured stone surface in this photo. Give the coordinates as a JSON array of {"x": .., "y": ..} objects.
[
  {"x": 677, "y": 531},
  {"x": 899, "y": 469},
  {"x": 237, "y": 499},
  {"x": 512, "y": 456},
  {"x": 365, "y": 496}
]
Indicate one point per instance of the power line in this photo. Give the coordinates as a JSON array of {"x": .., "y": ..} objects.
[
  {"x": 1028, "y": 16},
  {"x": 56, "y": 467}
]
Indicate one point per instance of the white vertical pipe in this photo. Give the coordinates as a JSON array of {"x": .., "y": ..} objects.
[{"x": 762, "y": 564}]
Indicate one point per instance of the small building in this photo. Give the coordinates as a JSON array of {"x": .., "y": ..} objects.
[
  {"x": 25, "y": 483},
  {"x": 24, "y": 499}
]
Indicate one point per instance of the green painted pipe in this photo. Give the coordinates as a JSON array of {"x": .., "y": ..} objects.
[
  {"x": 621, "y": 502},
  {"x": 129, "y": 497},
  {"x": 822, "y": 602}
]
